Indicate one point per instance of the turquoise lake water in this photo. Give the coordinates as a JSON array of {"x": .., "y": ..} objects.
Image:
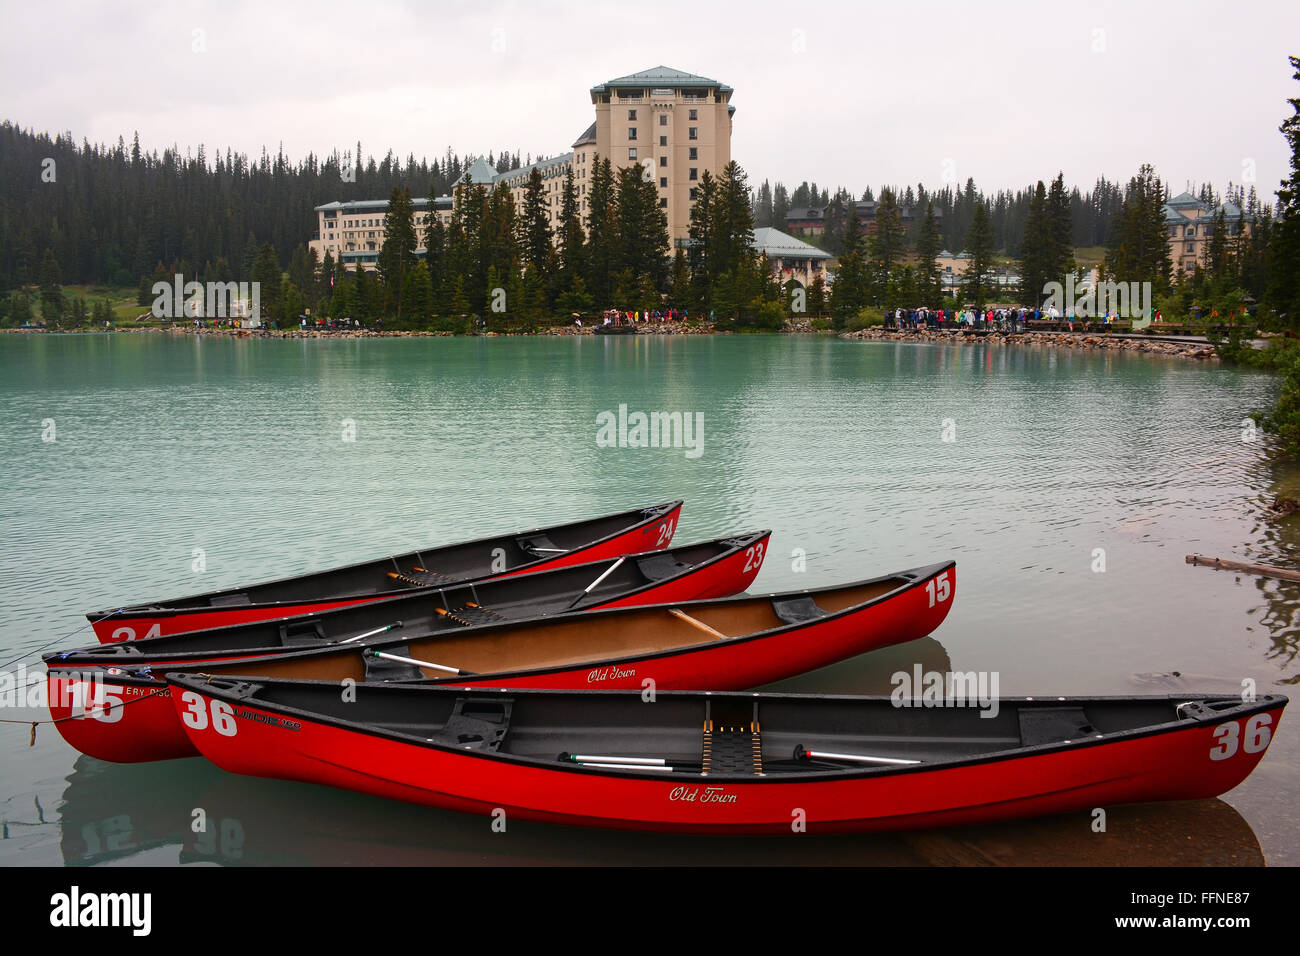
[{"x": 1027, "y": 466}]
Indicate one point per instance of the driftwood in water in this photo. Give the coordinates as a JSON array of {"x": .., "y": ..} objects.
[{"x": 1264, "y": 570}]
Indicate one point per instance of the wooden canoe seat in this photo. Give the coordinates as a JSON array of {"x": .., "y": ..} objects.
[{"x": 797, "y": 610}]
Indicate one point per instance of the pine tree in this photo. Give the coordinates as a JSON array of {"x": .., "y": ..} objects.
[
  {"x": 419, "y": 294},
  {"x": 642, "y": 228},
  {"x": 886, "y": 246},
  {"x": 1139, "y": 247},
  {"x": 397, "y": 255},
  {"x": 732, "y": 236},
  {"x": 704, "y": 273},
  {"x": 266, "y": 273},
  {"x": 1283, "y": 292},
  {"x": 534, "y": 225},
  {"x": 572, "y": 239},
  {"x": 850, "y": 291},
  {"x": 602, "y": 233},
  {"x": 51, "y": 291},
  {"x": 929, "y": 243},
  {"x": 1060, "y": 230},
  {"x": 1036, "y": 251},
  {"x": 979, "y": 243},
  {"x": 817, "y": 297}
]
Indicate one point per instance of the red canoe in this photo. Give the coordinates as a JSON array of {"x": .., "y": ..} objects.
[
  {"x": 122, "y": 714},
  {"x": 727, "y": 763},
  {"x": 629, "y": 532},
  {"x": 694, "y": 572}
]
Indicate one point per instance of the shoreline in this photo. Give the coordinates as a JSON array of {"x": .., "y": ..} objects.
[{"x": 1076, "y": 341}]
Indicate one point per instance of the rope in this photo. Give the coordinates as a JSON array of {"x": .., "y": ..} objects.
[
  {"x": 34, "y": 723},
  {"x": 57, "y": 639}
]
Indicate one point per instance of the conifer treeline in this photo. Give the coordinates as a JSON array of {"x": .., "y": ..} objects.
[
  {"x": 1091, "y": 212},
  {"x": 110, "y": 214}
]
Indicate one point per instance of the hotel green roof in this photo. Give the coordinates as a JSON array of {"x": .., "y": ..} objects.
[
  {"x": 661, "y": 76},
  {"x": 778, "y": 245}
]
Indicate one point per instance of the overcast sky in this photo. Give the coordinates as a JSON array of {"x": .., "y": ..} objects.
[{"x": 841, "y": 93}]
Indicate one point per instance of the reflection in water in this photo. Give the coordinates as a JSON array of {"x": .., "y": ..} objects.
[
  {"x": 233, "y": 447},
  {"x": 114, "y": 812}
]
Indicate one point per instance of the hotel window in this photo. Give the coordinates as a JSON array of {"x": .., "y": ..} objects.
[
  {"x": 695, "y": 152},
  {"x": 631, "y": 114},
  {"x": 663, "y": 140},
  {"x": 695, "y": 193},
  {"x": 693, "y": 115},
  {"x": 631, "y": 133},
  {"x": 663, "y": 162},
  {"x": 694, "y": 174},
  {"x": 692, "y": 134},
  {"x": 663, "y": 119},
  {"x": 663, "y": 182},
  {"x": 663, "y": 203},
  {"x": 631, "y": 152}
]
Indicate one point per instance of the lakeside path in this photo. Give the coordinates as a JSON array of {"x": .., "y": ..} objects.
[{"x": 1077, "y": 341}]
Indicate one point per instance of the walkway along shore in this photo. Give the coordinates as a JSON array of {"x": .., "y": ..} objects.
[{"x": 1086, "y": 341}]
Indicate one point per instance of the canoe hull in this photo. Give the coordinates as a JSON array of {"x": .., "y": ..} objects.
[{"x": 1172, "y": 765}]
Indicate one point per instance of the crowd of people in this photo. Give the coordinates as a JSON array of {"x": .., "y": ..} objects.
[{"x": 1002, "y": 319}]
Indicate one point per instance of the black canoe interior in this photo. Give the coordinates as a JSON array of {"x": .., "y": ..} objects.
[
  {"x": 466, "y": 605},
  {"x": 580, "y": 640},
  {"x": 431, "y": 567},
  {"x": 735, "y": 735}
]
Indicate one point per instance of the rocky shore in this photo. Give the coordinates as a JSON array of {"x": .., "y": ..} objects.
[{"x": 1086, "y": 341}]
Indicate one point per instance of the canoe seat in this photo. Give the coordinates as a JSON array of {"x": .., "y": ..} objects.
[
  {"x": 732, "y": 749},
  {"x": 381, "y": 669},
  {"x": 297, "y": 633},
  {"x": 476, "y": 723},
  {"x": 228, "y": 600},
  {"x": 539, "y": 545},
  {"x": 656, "y": 567},
  {"x": 797, "y": 610},
  {"x": 1052, "y": 725}
]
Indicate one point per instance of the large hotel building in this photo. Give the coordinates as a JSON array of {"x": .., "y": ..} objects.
[{"x": 675, "y": 125}]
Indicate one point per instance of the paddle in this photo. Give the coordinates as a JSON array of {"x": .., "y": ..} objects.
[
  {"x": 378, "y": 630},
  {"x": 410, "y": 660},
  {"x": 801, "y": 753},
  {"x": 590, "y": 587},
  {"x": 657, "y": 764}
]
